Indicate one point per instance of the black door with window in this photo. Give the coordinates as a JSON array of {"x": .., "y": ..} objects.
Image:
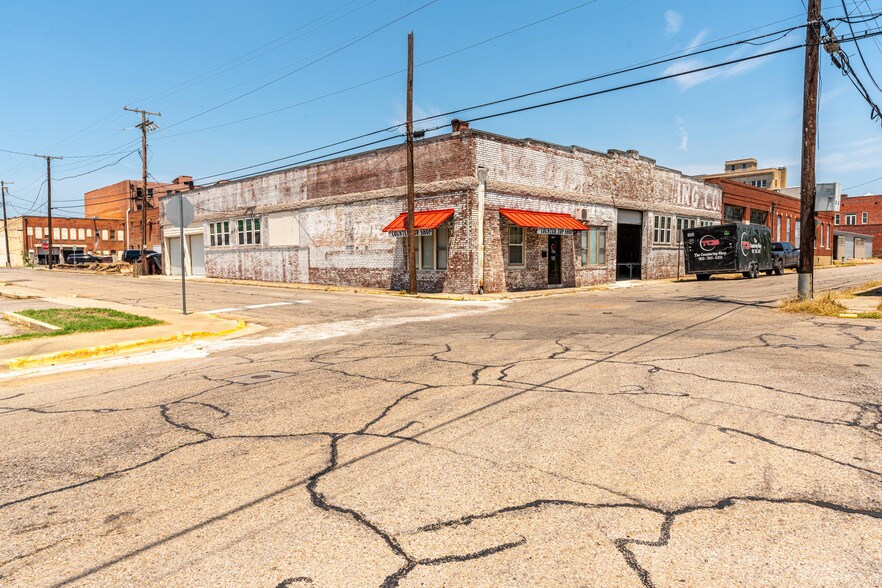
[{"x": 553, "y": 260}]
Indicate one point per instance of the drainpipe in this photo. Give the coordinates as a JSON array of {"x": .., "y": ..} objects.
[{"x": 482, "y": 184}]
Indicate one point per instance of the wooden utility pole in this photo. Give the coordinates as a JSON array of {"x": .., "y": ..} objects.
[
  {"x": 5, "y": 228},
  {"x": 49, "y": 159},
  {"x": 808, "y": 188},
  {"x": 145, "y": 126},
  {"x": 411, "y": 244}
]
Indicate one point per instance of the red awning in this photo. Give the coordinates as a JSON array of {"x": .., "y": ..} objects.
[
  {"x": 542, "y": 220},
  {"x": 428, "y": 219}
]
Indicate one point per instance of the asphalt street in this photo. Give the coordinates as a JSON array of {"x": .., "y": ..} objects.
[{"x": 665, "y": 434}]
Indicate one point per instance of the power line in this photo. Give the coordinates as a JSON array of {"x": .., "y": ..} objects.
[
  {"x": 246, "y": 57},
  {"x": 858, "y": 46},
  {"x": 390, "y": 74},
  {"x": 551, "y": 103},
  {"x": 511, "y": 98},
  {"x": 98, "y": 168},
  {"x": 313, "y": 62}
]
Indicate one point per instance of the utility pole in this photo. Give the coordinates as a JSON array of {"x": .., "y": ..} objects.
[
  {"x": 808, "y": 188},
  {"x": 49, "y": 159},
  {"x": 5, "y": 228},
  {"x": 145, "y": 126},
  {"x": 411, "y": 245}
]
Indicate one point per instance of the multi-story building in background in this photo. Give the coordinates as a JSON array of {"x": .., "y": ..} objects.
[
  {"x": 862, "y": 214},
  {"x": 748, "y": 172},
  {"x": 101, "y": 237},
  {"x": 778, "y": 211},
  {"x": 124, "y": 200}
]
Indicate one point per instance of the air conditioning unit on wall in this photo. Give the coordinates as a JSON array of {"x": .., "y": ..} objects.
[{"x": 584, "y": 214}]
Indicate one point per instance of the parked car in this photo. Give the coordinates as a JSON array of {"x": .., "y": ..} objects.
[
  {"x": 130, "y": 255},
  {"x": 731, "y": 248},
  {"x": 81, "y": 258},
  {"x": 785, "y": 256}
]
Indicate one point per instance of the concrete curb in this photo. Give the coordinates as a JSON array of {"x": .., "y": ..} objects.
[
  {"x": 29, "y": 322},
  {"x": 520, "y": 295},
  {"x": 20, "y": 363}
]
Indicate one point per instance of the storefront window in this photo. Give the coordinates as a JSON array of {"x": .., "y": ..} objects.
[
  {"x": 594, "y": 246},
  {"x": 515, "y": 246},
  {"x": 431, "y": 250}
]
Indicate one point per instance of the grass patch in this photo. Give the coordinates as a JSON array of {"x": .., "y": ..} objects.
[
  {"x": 825, "y": 304},
  {"x": 81, "y": 320},
  {"x": 828, "y": 303}
]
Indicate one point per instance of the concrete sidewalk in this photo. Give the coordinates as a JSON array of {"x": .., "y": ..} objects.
[
  {"x": 176, "y": 328},
  {"x": 864, "y": 302}
]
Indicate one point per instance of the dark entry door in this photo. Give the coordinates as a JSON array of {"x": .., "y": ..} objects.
[{"x": 553, "y": 260}]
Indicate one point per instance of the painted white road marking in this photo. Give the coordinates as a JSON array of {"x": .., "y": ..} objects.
[
  {"x": 313, "y": 332},
  {"x": 234, "y": 309}
]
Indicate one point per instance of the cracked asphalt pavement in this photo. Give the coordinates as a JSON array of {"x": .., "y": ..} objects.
[{"x": 670, "y": 434}]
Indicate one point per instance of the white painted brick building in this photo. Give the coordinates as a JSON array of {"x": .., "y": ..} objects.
[{"x": 323, "y": 223}]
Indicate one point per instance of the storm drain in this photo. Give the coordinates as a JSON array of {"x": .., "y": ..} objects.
[{"x": 260, "y": 377}]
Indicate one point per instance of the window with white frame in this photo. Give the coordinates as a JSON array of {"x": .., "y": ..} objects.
[
  {"x": 104, "y": 235},
  {"x": 683, "y": 223},
  {"x": 38, "y": 232},
  {"x": 56, "y": 233},
  {"x": 594, "y": 246},
  {"x": 788, "y": 229},
  {"x": 796, "y": 231},
  {"x": 81, "y": 234},
  {"x": 30, "y": 231},
  {"x": 836, "y": 219},
  {"x": 865, "y": 217},
  {"x": 248, "y": 230},
  {"x": 778, "y": 229},
  {"x": 516, "y": 246},
  {"x": 64, "y": 234},
  {"x": 706, "y": 223},
  {"x": 661, "y": 231},
  {"x": 119, "y": 235},
  {"x": 431, "y": 250},
  {"x": 851, "y": 218},
  {"x": 219, "y": 233}
]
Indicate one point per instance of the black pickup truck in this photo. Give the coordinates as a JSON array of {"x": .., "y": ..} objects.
[{"x": 785, "y": 256}]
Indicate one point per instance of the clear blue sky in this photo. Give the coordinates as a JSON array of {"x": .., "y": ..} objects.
[{"x": 70, "y": 67}]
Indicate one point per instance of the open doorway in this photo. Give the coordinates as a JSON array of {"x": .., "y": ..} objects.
[{"x": 629, "y": 244}]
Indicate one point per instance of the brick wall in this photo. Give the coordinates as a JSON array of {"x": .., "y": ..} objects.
[
  {"x": 342, "y": 206},
  {"x": 872, "y": 205},
  {"x": 781, "y": 210}
]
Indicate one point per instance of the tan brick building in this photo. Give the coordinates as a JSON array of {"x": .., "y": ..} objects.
[
  {"x": 123, "y": 201},
  {"x": 747, "y": 172}
]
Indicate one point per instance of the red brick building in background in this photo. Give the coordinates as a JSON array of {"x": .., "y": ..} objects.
[
  {"x": 862, "y": 214},
  {"x": 743, "y": 203},
  {"x": 123, "y": 201},
  {"x": 98, "y": 236}
]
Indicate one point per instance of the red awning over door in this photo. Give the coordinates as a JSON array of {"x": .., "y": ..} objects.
[
  {"x": 542, "y": 220},
  {"x": 428, "y": 219}
]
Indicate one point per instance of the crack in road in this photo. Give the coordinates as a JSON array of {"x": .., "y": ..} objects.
[{"x": 868, "y": 418}]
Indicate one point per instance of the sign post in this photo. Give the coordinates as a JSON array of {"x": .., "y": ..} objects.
[{"x": 179, "y": 211}]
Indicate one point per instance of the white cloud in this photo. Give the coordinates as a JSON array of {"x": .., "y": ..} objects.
[
  {"x": 736, "y": 69},
  {"x": 684, "y": 136},
  {"x": 673, "y": 22}
]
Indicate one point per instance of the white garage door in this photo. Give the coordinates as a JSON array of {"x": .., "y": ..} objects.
[
  {"x": 197, "y": 254},
  {"x": 174, "y": 255}
]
